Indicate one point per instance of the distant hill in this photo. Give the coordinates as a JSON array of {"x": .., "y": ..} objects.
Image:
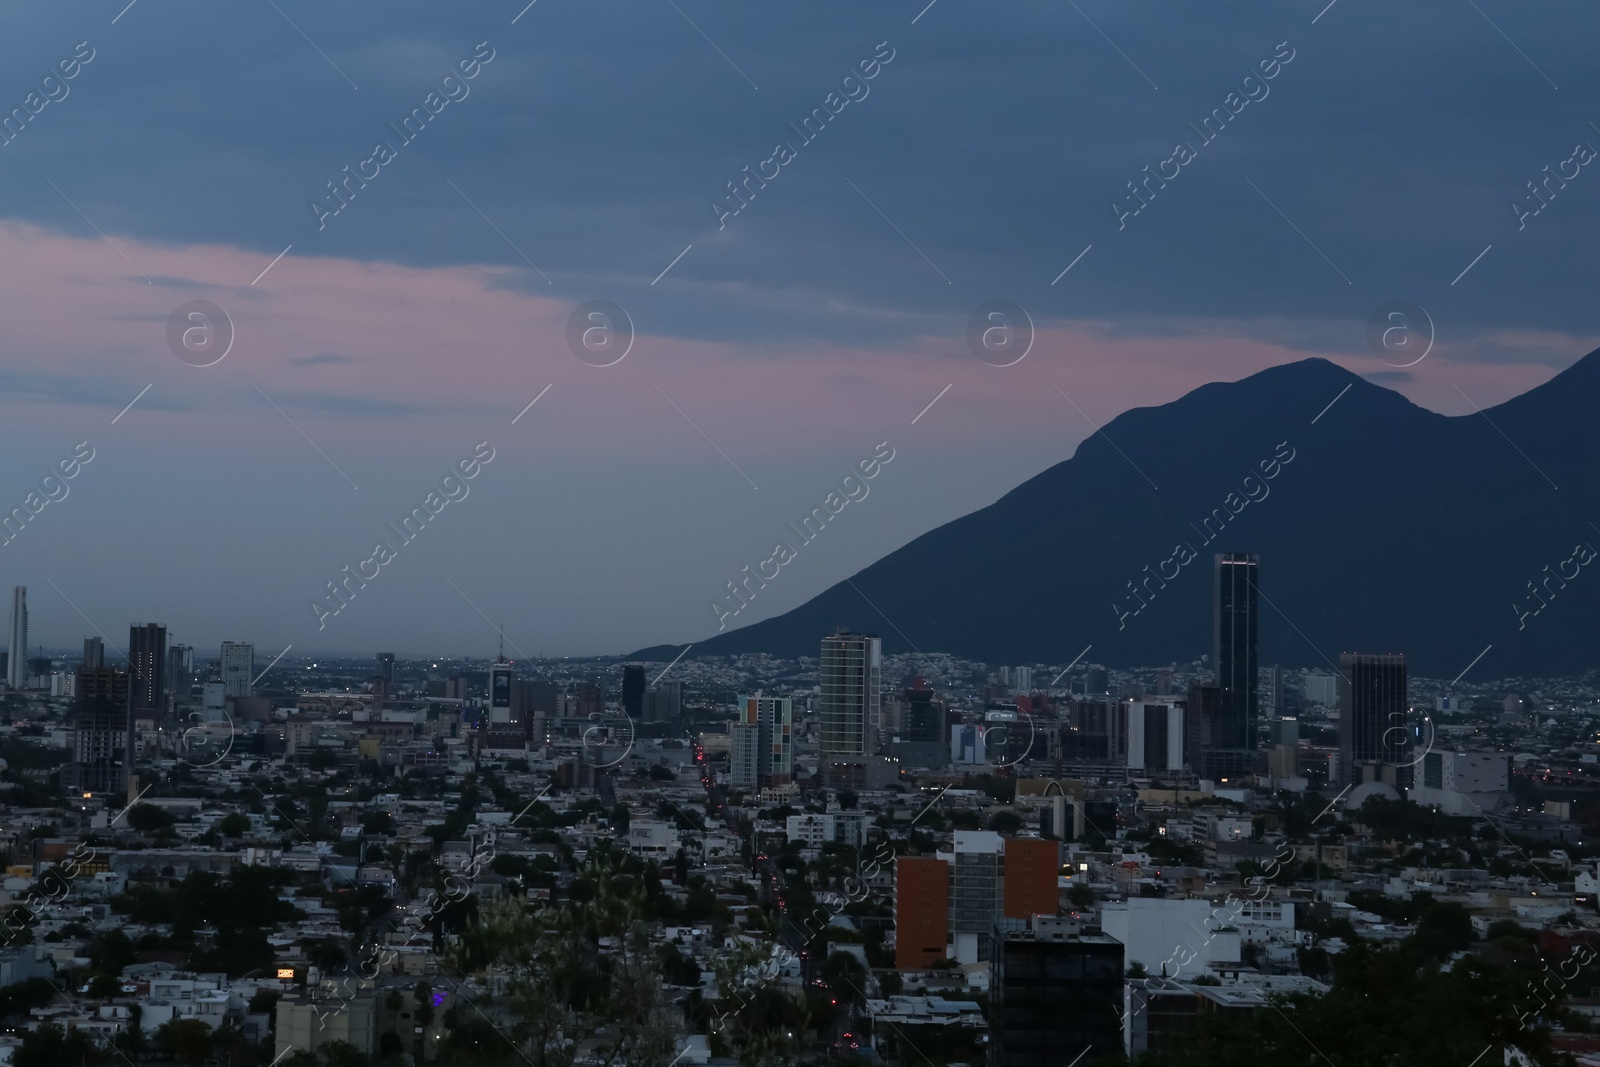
[{"x": 1386, "y": 527}]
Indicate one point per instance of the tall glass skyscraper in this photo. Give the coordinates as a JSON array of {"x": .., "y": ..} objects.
[
  {"x": 1233, "y": 729},
  {"x": 1372, "y": 712},
  {"x": 147, "y": 668}
]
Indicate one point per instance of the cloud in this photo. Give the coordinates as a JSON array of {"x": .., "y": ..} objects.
[{"x": 321, "y": 359}]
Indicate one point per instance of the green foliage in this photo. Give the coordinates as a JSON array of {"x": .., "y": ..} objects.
[
  {"x": 149, "y": 819},
  {"x": 234, "y": 825},
  {"x": 17, "y": 998},
  {"x": 1005, "y": 822},
  {"x": 264, "y": 1001},
  {"x": 51, "y": 1046},
  {"x": 1389, "y": 1005}
]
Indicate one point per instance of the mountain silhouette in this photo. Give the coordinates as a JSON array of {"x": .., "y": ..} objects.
[{"x": 1390, "y": 528}]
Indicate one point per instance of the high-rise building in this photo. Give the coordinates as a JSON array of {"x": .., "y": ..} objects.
[
  {"x": 147, "y": 669},
  {"x": 501, "y": 676},
  {"x": 1372, "y": 712},
  {"x": 921, "y": 911},
  {"x": 1056, "y": 993},
  {"x": 976, "y": 900},
  {"x": 17, "y": 654},
  {"x": 94, "y": 653},
  {"x": 664, "y": 703},
  {"x": 180, "y": 670},
  {"x": 386, "y": 670},
  {"x": 922, "y": 718},
  {"x": 763, "y": 743},
  {"x": 1032, "y": 877},
  {"x": 102, "y": 732},
  {"x": 633, "y": 692},
  {"x": 1156, "y": 737},
  {"x": 851, "y": 702},
  {"x": 1234, "y": 651},
  {"x": 238, "y": 668}
]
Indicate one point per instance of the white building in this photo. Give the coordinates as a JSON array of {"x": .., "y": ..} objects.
[
  {"x": 653, "y": 838},
  {"x": 1175, "y": 938},
  {"x": 238, "y": 668},
  {"x": 1155, "y": 736},
  {"x": 1463, "y": 783}
]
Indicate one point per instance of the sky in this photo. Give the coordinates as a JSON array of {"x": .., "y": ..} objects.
[{"x": 564, "y": 153}]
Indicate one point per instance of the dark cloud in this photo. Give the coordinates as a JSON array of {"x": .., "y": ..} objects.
[{"x": 1390, "y": 148}]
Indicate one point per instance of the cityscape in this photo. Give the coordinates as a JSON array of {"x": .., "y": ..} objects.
[
  {"x": 847, "y": 857},
  {"x": 689, "y": 533}
]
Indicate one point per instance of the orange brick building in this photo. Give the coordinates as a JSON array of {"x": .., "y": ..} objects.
[
  {"x": 1032, "y": 869},
  {"x": 921, "y": 911}
]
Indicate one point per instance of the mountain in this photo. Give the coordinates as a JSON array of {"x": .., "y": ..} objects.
[{"x": 1383, "y": 527}]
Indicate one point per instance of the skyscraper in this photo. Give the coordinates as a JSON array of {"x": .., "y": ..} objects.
[
  {"x": 102, "y": 733},
  {"x": 1233, "y": 730},
  {"x": 501, "y": 680},
  {"x": 763, "y": 743},
  {"x": 386, "y": 670},
  {"x": 1372, "y": 712},
  {"x": 633, "y": 692},
  {"x": 147, "y": 669},
  {"x": 852, "y": 695},
  {"x": 238, "y": 668},
  {"x": 17, "y": 650},
  {"x": 180, "y": 670},
  {"x": 94, "y": 653}
]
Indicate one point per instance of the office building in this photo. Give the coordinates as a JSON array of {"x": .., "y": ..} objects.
[
  {"x": 501, "y": 676},
  {"x": 102, "y": 732},
  {"x": 591, "y": 700},
  {"x": 1372, "y": 712},
  {"x": 976, "y": 892},
  {"x": 94, "y": 653},
  {"x": 386, "y": 670},
  {"x": 1321, "y": 690},
  {"x": 180, "y": 670},
  {"x": 1474, "y": 784},
  {"x": 1031, "y": 878},
  {"x": 633, "y": 692},
  {"x": 1233, "y": 730},
  {"x": 921, "y": 911},
  {"x": 238, "y": 668},
  {"x": 147, "y": 669},
  {"x": 1057, "y": 991},
  {"x": 1155, "y": 737},
  {"x": 1091, "y": 731},
  {"x": 922, "y": 718},
  {"x": 850, "y": 704},
  {"x": 762, "y": 743},
  {"x": 17, "y": 648},
  {"x": 664, "y": 703}
]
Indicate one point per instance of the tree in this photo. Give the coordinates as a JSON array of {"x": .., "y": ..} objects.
[
  {"x": 563, "y": 991},
  {"x": 149, "y": 819},
  {"x": 1005, "y": 822},
  {"x": 51, "y": 1046},
  {"x": 234, "y": 825},
  {"x": 187, "y": 1040},
  {"x": 1389, "y": 1005}
]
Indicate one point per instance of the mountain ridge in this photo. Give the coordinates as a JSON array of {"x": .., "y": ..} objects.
[{"x": 1388, "y": 527}]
